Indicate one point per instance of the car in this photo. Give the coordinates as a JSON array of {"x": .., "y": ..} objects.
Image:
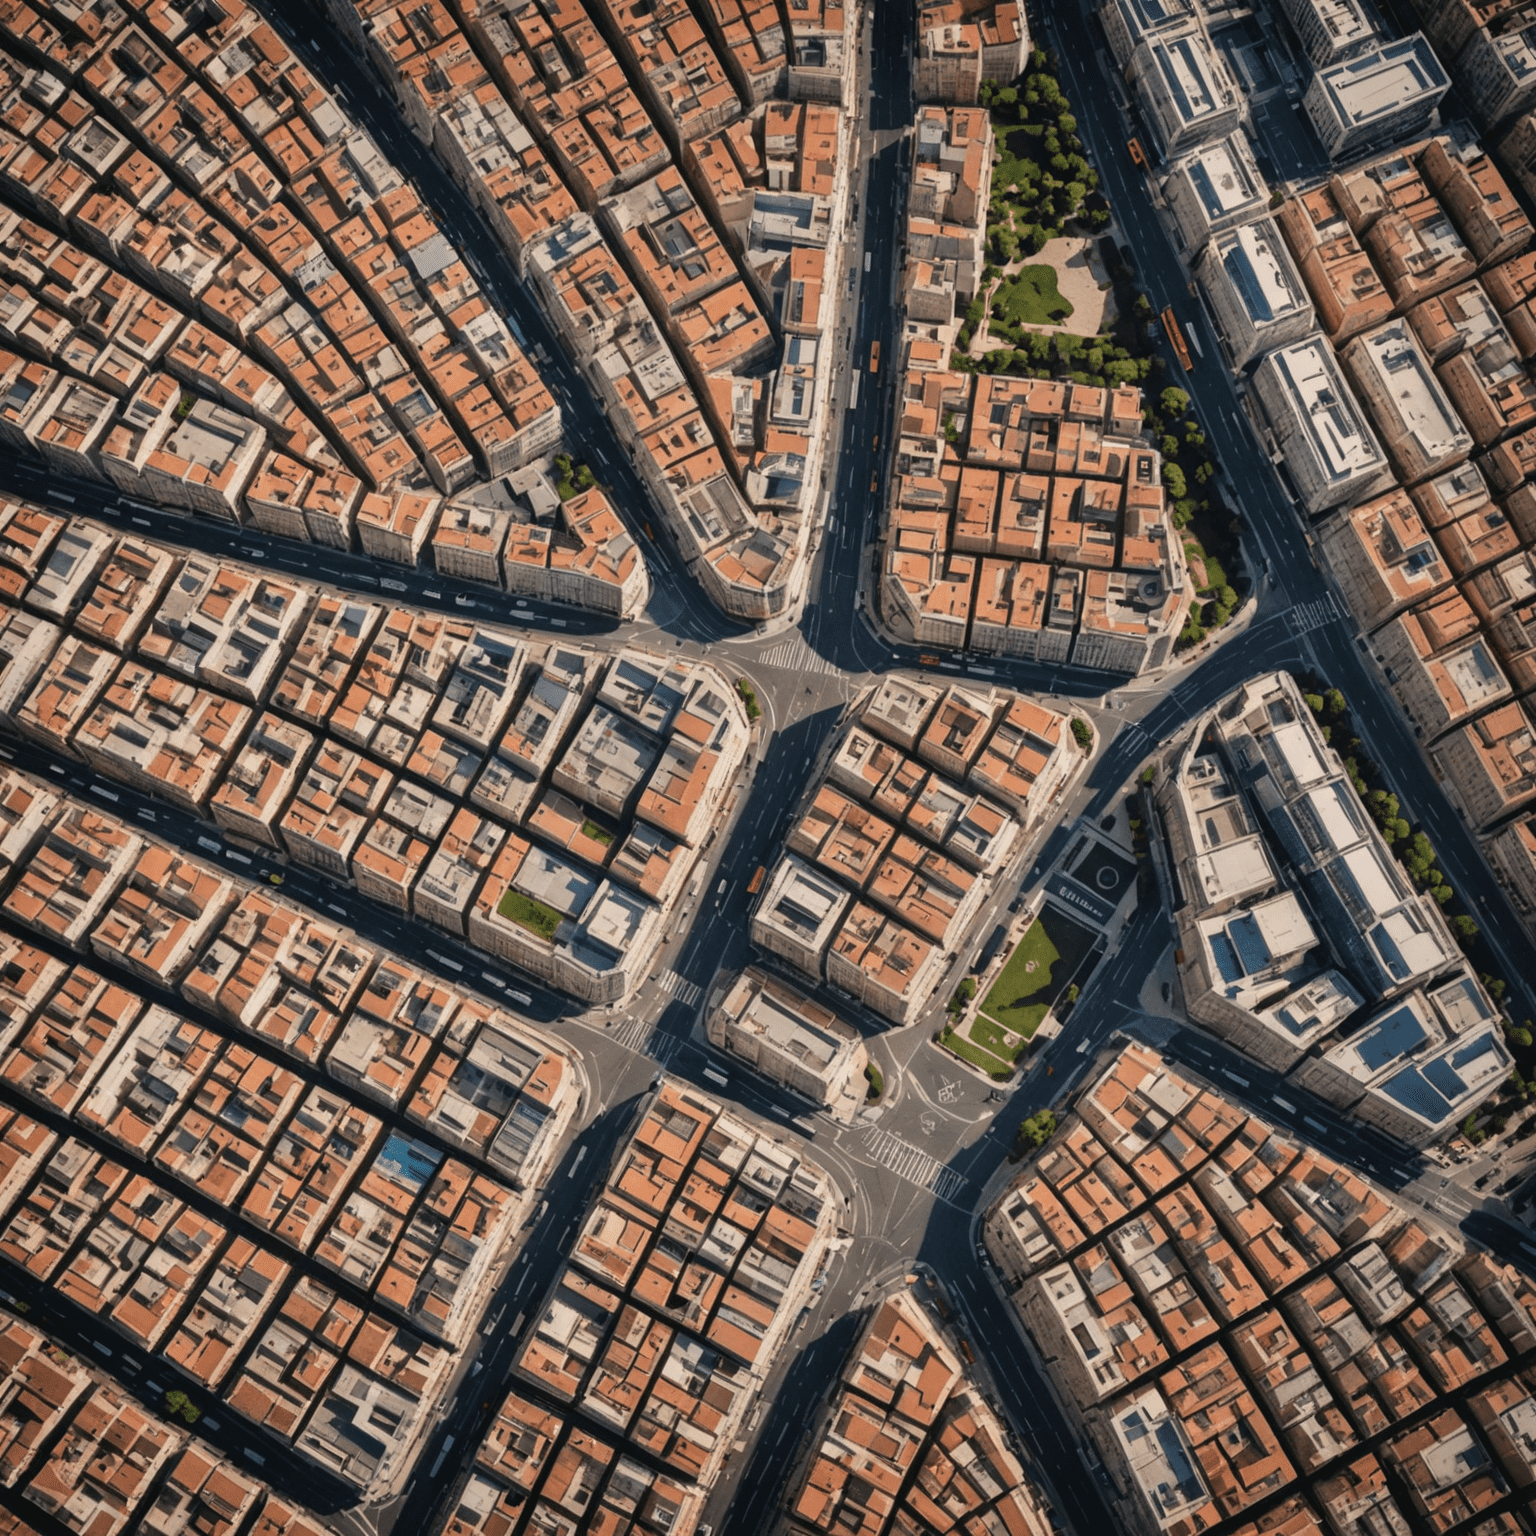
[
  {"x": 1016, "y": 903},
  {"x": 1482, "y": 1181}
]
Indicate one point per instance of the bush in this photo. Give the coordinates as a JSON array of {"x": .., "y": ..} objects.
[
  {"x": 749, "y": 698},
  {"x": 876, "y": 1083},
  {"x": 178, "y": 1404},
  {"x": 1082, "y": 732},
  {"x": 1036, "y": 1130}
]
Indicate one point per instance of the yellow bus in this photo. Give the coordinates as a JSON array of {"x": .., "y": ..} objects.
[{"x": 874, "y": 357}]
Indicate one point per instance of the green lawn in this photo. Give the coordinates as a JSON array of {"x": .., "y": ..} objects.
[
  {"x": 974, "y": 1054},
  {"x": 1021, "y": 996},
  {"x": 598, "y": 834},
  {"x": 991, "y": 1037},
  {"x": 528, "y": 913},
  {"x": 1031, "y": 297}
]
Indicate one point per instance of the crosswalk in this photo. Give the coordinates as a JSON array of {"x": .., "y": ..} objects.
[
  {"x": 1305, "y": 617},
  {"x": 643, "y": 1038},
  {"x": 1130, "y": 739},
  {"x": 632, "y": 1034},
  {"x": 686, "y": 992},
  {"x": 914, "y": 1165},
  {"x": 794, "y": 655}
]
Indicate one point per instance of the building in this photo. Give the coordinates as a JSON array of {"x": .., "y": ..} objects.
[
  {"x": 886, "y": 1457},
  {"x": 1408, "y": 407},
  {"x": 1214, "y": 188},
  {"x": 1331, "y": 30},
  {"x": 1128, "y": 23},
  {"x": 1497, "y": 68},
  {"x": 1254, "y": 289},
  {"x": 1185, "y": 91},
  {"x": 1346, "y": 289},
  {"x": 961, "y": 43},
  {"x": 1228, "y": 1344},
  {"x": 1287, "y": 933},
  {"x": 790, "y": 1040},
  {"x": 1383, "y": 557},
  {"x": 1384, "y": 95},
  {"x": 1329, "y": 452}
]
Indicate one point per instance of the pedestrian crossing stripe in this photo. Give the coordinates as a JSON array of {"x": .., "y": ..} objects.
[
  {"x": 796, "y": 656},
  {"x": 914, "y": 1165},
  {"x": 687, "y": 992},
  {"x": 1305, "y": 617}
]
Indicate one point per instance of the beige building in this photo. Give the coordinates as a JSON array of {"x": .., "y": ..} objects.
[
  {"x": 1383, "y": 557},
  {"x": 791, "y": 1040}
]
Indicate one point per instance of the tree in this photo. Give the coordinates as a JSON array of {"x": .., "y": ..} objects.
[
  {"x": 1336, "y": 704},
  {"x": 1168, "y": 446},
  {"x": 1465, "y": 929},
  {"x": 1036, "y": 1130},
  {"x": 1174, "y": 401},
  {"x": 1173, "y": 480},
  {"x": 1082, "y": 732}
]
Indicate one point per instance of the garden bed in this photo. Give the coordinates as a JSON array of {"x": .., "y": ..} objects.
[{"x": 528, "y": 913}]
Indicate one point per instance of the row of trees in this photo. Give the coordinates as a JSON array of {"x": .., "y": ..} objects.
[{"x": 1209, "y": 534}]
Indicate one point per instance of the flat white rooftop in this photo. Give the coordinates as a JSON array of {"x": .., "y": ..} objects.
[
  {"x": 1224, "y": 176},
  {"x": 1383, "y": 81},
  {"x": 1340, "y": 439},
  {"x": 1189, "y": 73},
  {"x": 1413, "y": 391},
  {"x": 1260, "y": 270}
]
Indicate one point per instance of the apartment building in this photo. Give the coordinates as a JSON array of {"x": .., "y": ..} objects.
[
  {"x": 1446, "y": 670},
  {"x": 907, "y": 1436},
  {"x": 1383, "y": 557},
  {"x": 862, "y": 894},
  {"x": 1497, "y": 67},
  {"x": 1409, "y": 409},
  {"x": 1384, "y": 95},
  {"x": 1330, "y": 453},
  {"x": 1287, "y": 936},
  {"x": 1129, "y": 23},
  {"x": 1346, "y": 289},
  {"x": 1254, "y": 289},
  {"x": 1321, "y": 1299},
  {"x": 961, "y": 43},
  {"x": 1214, "y": 188},
  {"x": 371, "y": 711},
  {"x": 1033, "y": 453},
  {"x": 660, "y": 1347},
  {"x": 1184, "y": 88},
  {"x": 1493, "y": 760},
  {"x": 791, "y": 1040},
  {"x": 1331, "y": 30}
]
